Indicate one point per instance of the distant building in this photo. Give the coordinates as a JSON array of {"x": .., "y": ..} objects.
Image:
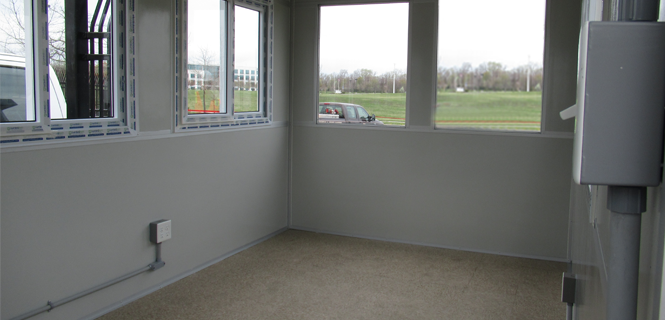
[
  {"x": 245, "y": 79},
  {"x": 195, "y": 79},
  {"x": 199, "y": 76}
]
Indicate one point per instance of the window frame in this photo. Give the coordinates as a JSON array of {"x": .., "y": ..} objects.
[
  {"x": 188, "y": 122},
  {"x": 541, "y": 129},
  {"x": 124, "y": 99},
  {"x": 320, "y": 5}
]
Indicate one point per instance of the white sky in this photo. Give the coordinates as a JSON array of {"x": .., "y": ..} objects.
[
  {"x": 204, "y": 32},
  {"x": 376, "y": 36},
  {"x": 510, "y": 32},
  {"x": 364, "y": 36}
]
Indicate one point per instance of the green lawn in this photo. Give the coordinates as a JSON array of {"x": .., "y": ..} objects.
[
  {"x": 244, "y": 101},
  {"x": 484, "y": 110}
]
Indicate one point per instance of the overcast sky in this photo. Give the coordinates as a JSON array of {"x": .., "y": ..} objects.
[
  {"x": 364, "y": 36},
  {"x": 204, "y": 32},
  {"x": 474, "y": 31},
  {"x": 510, "y": 32}
]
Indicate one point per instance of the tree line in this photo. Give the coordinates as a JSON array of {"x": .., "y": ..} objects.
[
  {"x": 362, "y": 80},
  {"x": 488, "y": 76}
]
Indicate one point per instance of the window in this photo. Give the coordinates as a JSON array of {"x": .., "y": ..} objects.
[
  {"x": 83, "y": 86},
  {"x": 351, "y": 112},
  {"x": 490, "y": 72},
  {"x": 363, "y": 59},
  {"x": 220, "y": 36},
  {"x": 362, "y": 114}
]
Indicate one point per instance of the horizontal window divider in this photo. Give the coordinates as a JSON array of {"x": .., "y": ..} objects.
[
  {"x": 96, "y": 57},
  {"x": 141, "y": 136},
  {"x": 9, "y": 143},
  {"x": 96, "y": 35},
  {"x": 217, "y": 126},
  {"x": 309, "y": 3}
]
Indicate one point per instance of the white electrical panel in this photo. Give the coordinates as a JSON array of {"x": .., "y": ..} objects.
[
  {"x": 620, "y": 99},
  {"x": 160, "y": 231}
]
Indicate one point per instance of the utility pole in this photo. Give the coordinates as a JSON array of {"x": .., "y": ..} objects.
[
  {"x": 393, "y": 78},
  {"x": 528, "y": 74}
]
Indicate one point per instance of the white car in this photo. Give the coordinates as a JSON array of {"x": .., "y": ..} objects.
[{"x": 13, "y": 98}]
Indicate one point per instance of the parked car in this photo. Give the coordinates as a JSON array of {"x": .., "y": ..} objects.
[
  {"x": 337, "y": 112},
  {"x": 13, "y": 98}
]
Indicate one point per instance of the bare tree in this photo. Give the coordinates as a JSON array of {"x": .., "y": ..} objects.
[
  {"x": 12, "y": 29},
  {"x": 207, "y": 59}
]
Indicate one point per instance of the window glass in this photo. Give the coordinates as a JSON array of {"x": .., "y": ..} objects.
[
  {"x": 247, "y": 57},
  {"x": 15, "y": 97},
  {"x": 329, "y": 109},
  {"x": 363, "y": 58},
  {"x": 490, "y": 72},
  {"x": 12, "y": 93},
  {"x": 85, "y": 88},
  {"x": 205, "y": 53},
  {"x": 351, "y": 112},
  {"x": 362, "y": 113}
]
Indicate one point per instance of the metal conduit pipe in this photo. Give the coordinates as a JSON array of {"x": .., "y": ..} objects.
[
  {"x": 623, "y": 265},
  {"x": 51, "y": 305}
]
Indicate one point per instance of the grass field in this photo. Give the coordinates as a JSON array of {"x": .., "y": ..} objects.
[
  {"x": 244, "y": 101},
  {"x": 482, "y": 110}
]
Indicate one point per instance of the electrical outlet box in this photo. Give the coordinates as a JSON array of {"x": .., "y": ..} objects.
[{"x": 160, "y": 231}]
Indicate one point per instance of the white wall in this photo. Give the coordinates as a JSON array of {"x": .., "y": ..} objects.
[
  {"x": 76, "y": 216},
  {"x": 491, "y": 192},
  {"x": 496, "y": 194}
]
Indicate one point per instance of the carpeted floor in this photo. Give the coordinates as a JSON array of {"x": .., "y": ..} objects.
[{"x": 305, "y": 275}]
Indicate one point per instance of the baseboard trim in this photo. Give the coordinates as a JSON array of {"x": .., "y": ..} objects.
[
  {"x": 180, "y": 276},
  {"x": 430, "y": 245}
]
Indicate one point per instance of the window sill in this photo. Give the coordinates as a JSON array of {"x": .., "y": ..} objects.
[
  {"x": 126, "y": 136},
  {"x": 432, "y": 129}
]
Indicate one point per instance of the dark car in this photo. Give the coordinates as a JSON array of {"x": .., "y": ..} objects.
[{"x": 337, "y": 112}]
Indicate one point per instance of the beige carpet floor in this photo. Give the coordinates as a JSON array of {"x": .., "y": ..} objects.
[{"x": 306, "y": 275}]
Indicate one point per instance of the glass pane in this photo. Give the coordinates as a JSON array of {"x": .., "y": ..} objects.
[
  {"x": 246, "y": 95},
  {"x": 15, "y": 94},
  {"x": 58, "y": 58},
  {"x": 206, "y": 43},
  {"x": 362, "y": 114},
  {"x": 81, "y": 61},
  {"x": 351, "y": 112},
  {"x": 490, "y": 69},
  {"x": 363, "y": 58}
]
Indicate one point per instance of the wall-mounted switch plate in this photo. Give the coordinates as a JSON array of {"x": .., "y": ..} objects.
[{"x": 160, "y": 231}]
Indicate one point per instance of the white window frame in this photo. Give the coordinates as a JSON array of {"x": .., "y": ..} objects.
[
  {"x": 187, "y": 122},
  {"x": 124, "y": 122},
  {"x": 541, "y": 130},
  {"x": 318, "y": 68}
]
